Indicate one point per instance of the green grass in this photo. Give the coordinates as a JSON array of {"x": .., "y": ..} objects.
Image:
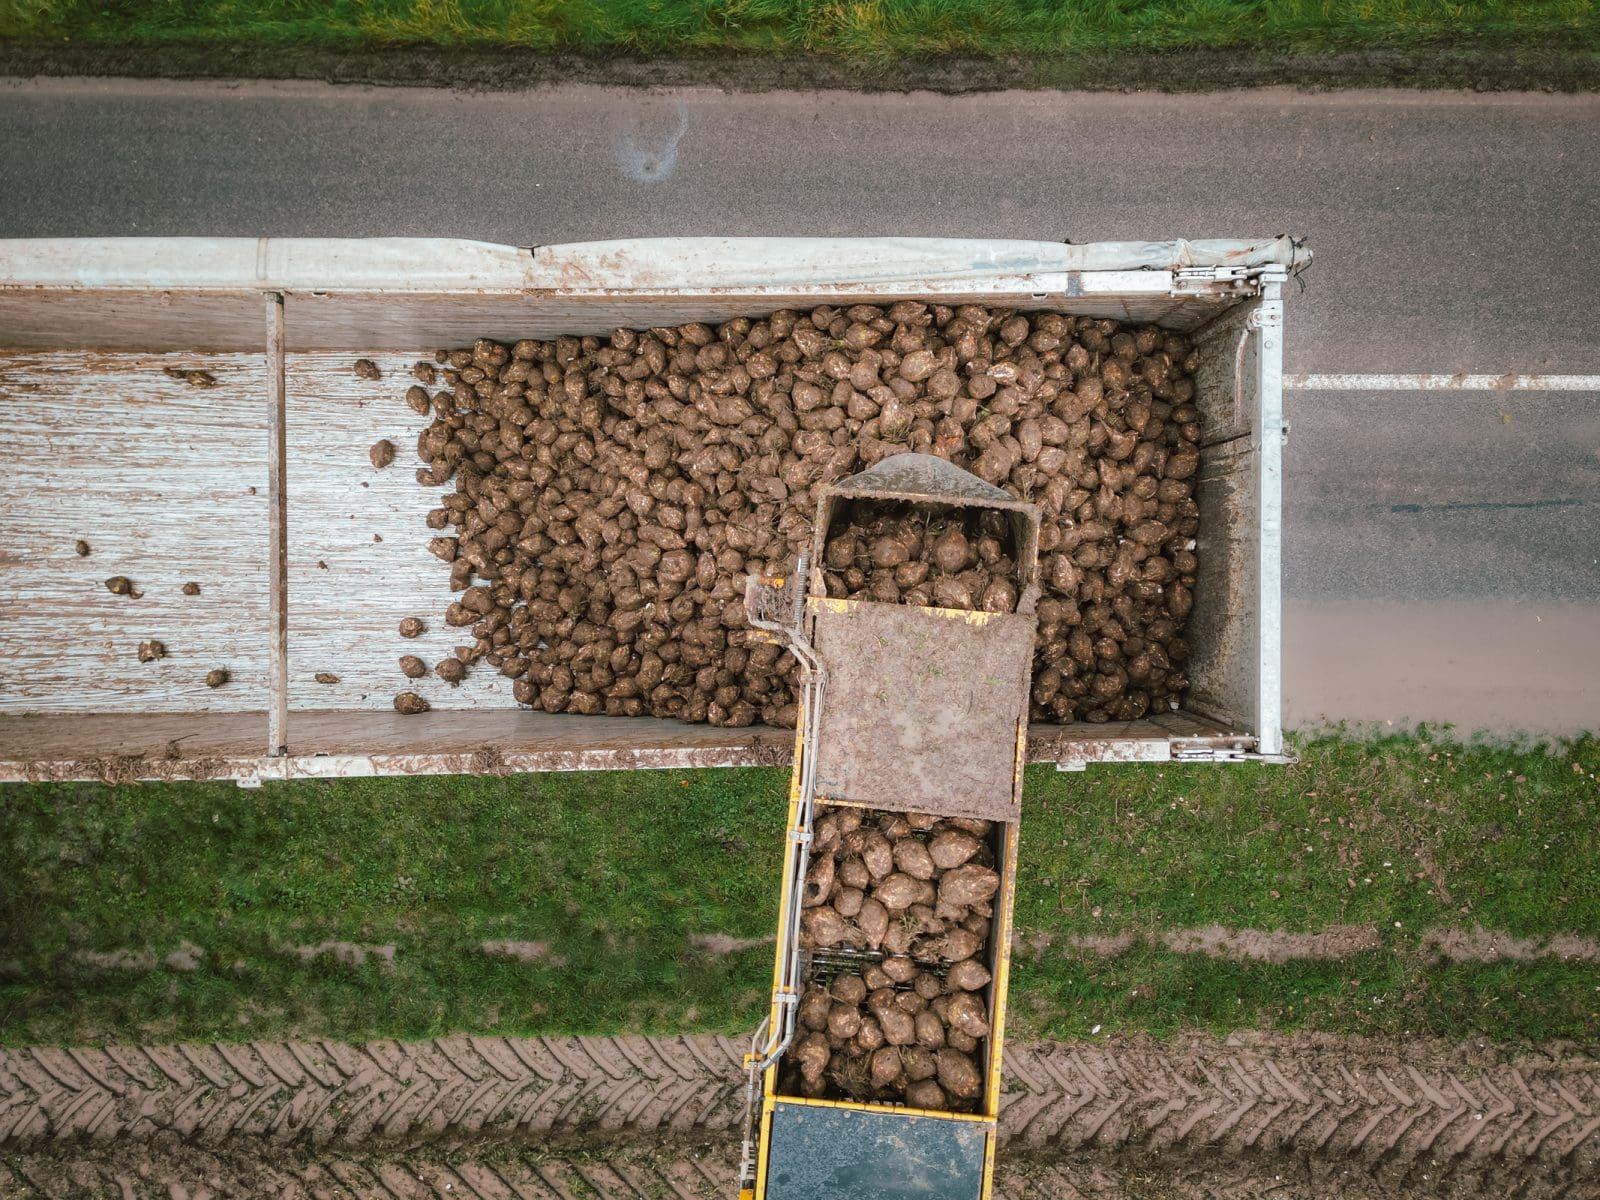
[
  {"x": 1378, "y": 994},
  {"x": 617, "y": 871},
  {"x": 1356, "y": 832},
  {"x": 851, "y": 29},
  {"x": 1359, "y": 833},
  {"x": 614, "y": 871}
]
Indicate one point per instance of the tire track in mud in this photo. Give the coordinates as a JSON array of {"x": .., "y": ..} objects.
[
  {"x": 326, "y": 1092},
  {"x": 1420, "y": 1115},
  {"x": 170, "y": 1168}
]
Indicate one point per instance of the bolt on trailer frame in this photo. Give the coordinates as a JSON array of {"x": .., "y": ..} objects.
[{"x": 905, "y": 709}]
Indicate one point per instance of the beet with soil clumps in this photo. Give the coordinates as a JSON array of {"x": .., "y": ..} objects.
[
  {"x": 921, "y": 989},
  {"x": 608, "y": 496},
  {"x": 897, "y": 553}
]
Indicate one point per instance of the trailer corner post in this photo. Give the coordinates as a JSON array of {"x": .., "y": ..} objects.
[
  {"x": 1270, "y": 429},
  {"x": 277, "y": 538}
]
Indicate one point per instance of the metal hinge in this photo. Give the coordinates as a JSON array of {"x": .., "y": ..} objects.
[
  {"x": 1191, "y": 281},
  {"x": 1192, "y": 754},
  {"x": 1267, "y": 316}
]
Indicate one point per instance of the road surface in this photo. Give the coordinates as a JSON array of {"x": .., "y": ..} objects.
[{"x": 1442, "y": 548}]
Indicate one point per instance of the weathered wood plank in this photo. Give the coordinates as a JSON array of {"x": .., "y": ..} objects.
[
  {"x": 512, "y": 730},
  {"x": 135, "y": 319},
  {"x": 167, "y": 482},
  {"x": 118, "y": 747},
  {"x": 399, "y": 320},
  {"x": 56, "y": 736},
  {"x": 348, "y": 590},
  {"x": 130, "y": 319}
]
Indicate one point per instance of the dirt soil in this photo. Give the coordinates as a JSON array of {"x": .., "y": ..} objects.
[
  {"x": 1498, "y": 66},
  {"x": 656, "y": 1168},
  {"x": 1337, "y": 942},
  {"x": 1482, "y": 945},
  {"x": 346, "y": 954},
  {"x": 720, "y": 945},
  {"x": 1191, "y": 1116},
  {"x": 1274, "y": 946},
  {"x": 522, "y": 952}
]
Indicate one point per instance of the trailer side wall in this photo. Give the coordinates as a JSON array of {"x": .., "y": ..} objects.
[{"x": 169, "y": 482}]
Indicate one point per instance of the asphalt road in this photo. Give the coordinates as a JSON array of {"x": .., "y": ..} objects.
[{"x": 1442, "y": 550}]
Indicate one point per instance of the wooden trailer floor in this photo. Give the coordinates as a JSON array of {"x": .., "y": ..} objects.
[
  {"x": 167, "y": 481},
  {"x": 358, "y": 561}
]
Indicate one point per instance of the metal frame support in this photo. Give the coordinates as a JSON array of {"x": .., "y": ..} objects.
[
  {"x": 777, "y": 607},
  {"x": 1268, "y": 438},
  {"x": 277, "y": 536},
  {"x": 1199, "y": 281}
]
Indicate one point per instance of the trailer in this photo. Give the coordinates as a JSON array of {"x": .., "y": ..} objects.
[
  {"x": 174, "y": 405},
  {"x": 905, "y": 709}
]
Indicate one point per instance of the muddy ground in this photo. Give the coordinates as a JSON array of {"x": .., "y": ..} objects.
[
  {"x": 668, "y": 1170},
  {"x": 1502, "y": 66},
  {"x": 1192, "y": 1116}
]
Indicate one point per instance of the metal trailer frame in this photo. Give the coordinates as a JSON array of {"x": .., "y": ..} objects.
[
  {"x": 882, "y": 688},
  {"x": 797, "y": 846},
  {"x": 154, "y": 472}
]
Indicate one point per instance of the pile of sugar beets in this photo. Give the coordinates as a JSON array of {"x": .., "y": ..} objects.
[
  {"x": 908, "y": 1026},
  {"x": 610, "y": 496}
]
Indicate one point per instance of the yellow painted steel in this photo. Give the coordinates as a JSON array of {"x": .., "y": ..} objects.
[
  {"x": 904, "y": 1110},
  {"x": 1020, "y": 759},
  {"x": 987, "y": 1186},
  {"x": 764, "y": 1141},
  {"x": 1002, "y": 974},
  {"x": 967, "y": 616},
  {"x": 1004, "y": 912}
]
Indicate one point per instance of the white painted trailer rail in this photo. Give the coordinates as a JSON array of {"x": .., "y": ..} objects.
[{"x": 1442, "y": 383}]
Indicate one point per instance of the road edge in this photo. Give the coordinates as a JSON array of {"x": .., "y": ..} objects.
[{"x": 1480, "y": 65}]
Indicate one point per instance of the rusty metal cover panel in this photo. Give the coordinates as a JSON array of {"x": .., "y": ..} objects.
[
  {"x": 923, "y": 707},
  {"x": 925, "y": 477}
]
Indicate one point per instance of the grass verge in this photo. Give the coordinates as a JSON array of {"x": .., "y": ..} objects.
[
  {"x": 874, "y": 28},
  {"x": 615, "y": 874},
  {"x": 947, "y": 44}
]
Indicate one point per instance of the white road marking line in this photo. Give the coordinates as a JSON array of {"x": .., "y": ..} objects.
[{"x": 1443, "y": 383}]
